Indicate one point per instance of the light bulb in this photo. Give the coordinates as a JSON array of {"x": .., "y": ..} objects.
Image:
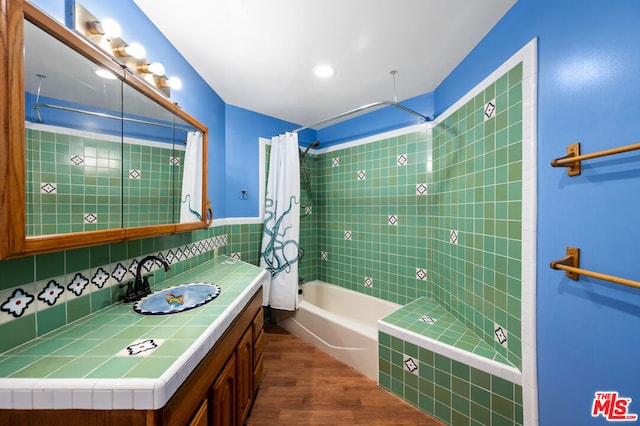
[
  {"x": 111, "y": 28},
  {"x": 135, "y": 50},
  {"x": 175, "y": 83},
  {"x": 156, "y": 68}
]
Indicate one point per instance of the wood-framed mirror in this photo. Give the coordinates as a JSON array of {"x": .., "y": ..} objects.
[{"x": 87, "y": 160}]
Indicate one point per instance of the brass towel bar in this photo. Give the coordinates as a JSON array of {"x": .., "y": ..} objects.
[
  {"x": 573, "y": 158},
  {"x": 571, "y": 265}
]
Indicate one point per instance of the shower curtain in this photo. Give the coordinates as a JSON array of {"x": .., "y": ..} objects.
[
  {"x": 281, "y": 228},
  {"x": 192, "y": 180}
]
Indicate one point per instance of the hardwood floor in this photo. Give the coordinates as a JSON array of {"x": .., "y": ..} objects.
[{"x": 302, "y": 385}]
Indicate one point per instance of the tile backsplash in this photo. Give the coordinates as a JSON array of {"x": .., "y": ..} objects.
[{"x": 41, "y": 293}]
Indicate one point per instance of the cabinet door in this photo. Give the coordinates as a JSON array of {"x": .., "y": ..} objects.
[
  {"x": 245, "y": 375},
  {"x": 223, "y": 396},
  {"x": 201, "y": 416}
]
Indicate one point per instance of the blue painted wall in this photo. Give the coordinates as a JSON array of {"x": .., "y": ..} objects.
[
  {"x": 243, "y": 128},
  {"x": 588, "y": 92}
]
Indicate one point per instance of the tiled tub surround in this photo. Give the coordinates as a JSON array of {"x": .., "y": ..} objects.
[
  {"x": 119, "y": 359},
  {"x": 58, "y": 288},
  {"x": 80, "y": 181},
  {"x": 465, "y": 352}
]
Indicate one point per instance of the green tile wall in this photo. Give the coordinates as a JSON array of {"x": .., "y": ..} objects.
[
  {"x": 98, "y": 183},
  {"x": 454, "y": 392},
  {"x": 33, "y": 273},
  {"x": 475, "y": 188},
  {"x": 372, "y": 217}
]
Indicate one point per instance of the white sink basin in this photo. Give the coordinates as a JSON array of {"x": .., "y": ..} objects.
[{"x": 177, "y": 299}]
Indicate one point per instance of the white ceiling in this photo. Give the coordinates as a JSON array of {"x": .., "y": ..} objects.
[{"x": 259, "y": 54}]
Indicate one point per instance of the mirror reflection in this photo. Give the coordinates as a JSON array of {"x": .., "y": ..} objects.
[{"x": 99, "y": 153}]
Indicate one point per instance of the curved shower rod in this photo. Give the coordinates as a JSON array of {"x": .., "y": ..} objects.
[{"x": 364, "y": 108}]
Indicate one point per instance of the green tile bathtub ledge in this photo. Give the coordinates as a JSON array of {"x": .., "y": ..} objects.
[
  {"x": 447, "y": 336},
  {"x": 86, "y": 365}
]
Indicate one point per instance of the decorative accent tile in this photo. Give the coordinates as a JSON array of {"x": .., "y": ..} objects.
[
  {"x": 78, "y": 284},
  {"x": 17, "y": 303},
  {"x": 51, "y": 293},
  {"x": 421, "y": 274},
  {"x": 236, "y": 256},
  {"x": 134, "y": 174},
  {"x": 501, "y": 335},
  {"x": 489, "y": 109},
  {"x": 308, "y": 210},
  {"x": 410, "y": 364},
  {"x": 324, "y": 255},
  {"x": 347, "y": 235},
  {"x": 119, "y": 272},
  {"x": 453, "y": 237},
  {"x": 362, "y": 174},
  {"x": 368, "y": 282},
  {"x": 178, "y": 254},
  {"x": 421, "y": 189},
  {"x": 90, "y": 218},
  {"x": 100, "y": 278},
  {"x": 48, "y": 188},
  {"x": 77, "y": 160},
  {"x": 402, "y": 160},
  {"x": 174, "y": 161},
  {"x": 141, "y": 348},
  {"x": 335, "y": 162},
  {"x": 427, "y": 319},
  {"x": 133, "y": 268},
  {"x": 393, "y": 220}
]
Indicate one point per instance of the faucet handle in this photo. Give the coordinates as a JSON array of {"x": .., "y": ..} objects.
[
  {"x": 129, "y": 296},
  {"x": 146, "y": 288}
]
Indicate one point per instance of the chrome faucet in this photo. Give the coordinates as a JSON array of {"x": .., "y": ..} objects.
[{"x": 140, "y": 288}]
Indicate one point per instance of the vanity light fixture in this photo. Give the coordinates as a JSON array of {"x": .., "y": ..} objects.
[
  {"x": 155, "y": 68},
  {"x": 171, "y": 82},
  {"x": 135, "y": 50},
  {"x": 106, "y": 34}
]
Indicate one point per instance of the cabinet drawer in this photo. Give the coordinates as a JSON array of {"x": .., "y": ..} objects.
[
  {"x": 257, "y": 348},
  {"x": 258, "y": 323},
  {"x": 257, "y": 373}
]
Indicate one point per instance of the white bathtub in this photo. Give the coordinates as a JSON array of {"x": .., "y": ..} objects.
[{"x": 341, "y": 322}]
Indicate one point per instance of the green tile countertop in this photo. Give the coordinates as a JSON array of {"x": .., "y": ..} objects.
[
  {"x": 425, "y": 323},
  {"x": 87, "y": 364}
]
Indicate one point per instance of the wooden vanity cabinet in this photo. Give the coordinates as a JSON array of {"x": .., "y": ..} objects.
[{"x": 219, "y": 391}]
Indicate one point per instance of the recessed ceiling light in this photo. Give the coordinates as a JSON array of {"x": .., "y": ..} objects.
[{"x": 324, "y": 71}]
